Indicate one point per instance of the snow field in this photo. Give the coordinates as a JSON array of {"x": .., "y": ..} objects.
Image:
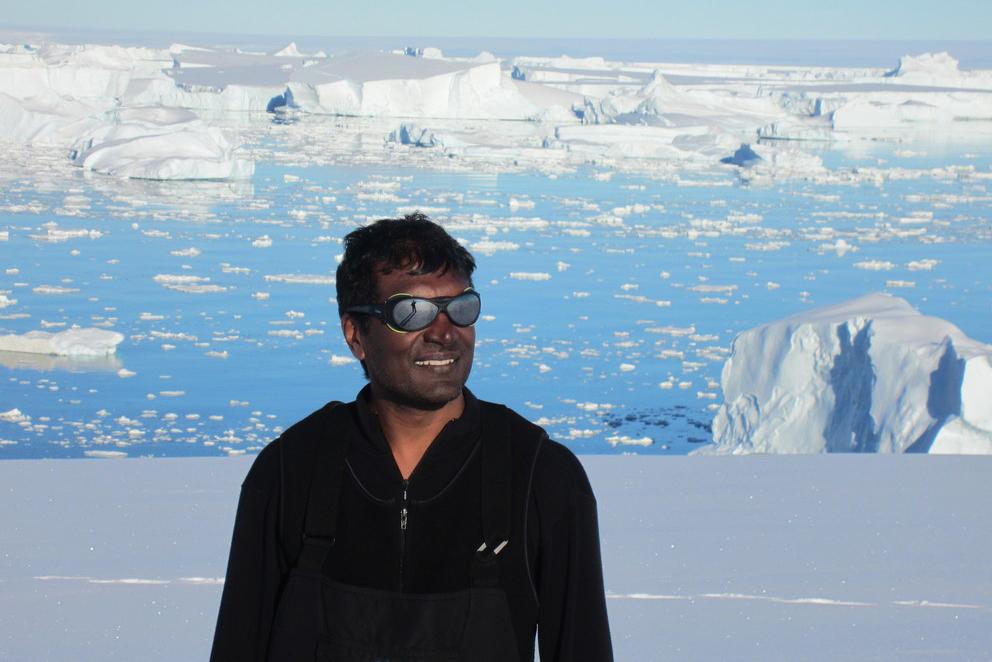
[{"x": 750, "y": 558}]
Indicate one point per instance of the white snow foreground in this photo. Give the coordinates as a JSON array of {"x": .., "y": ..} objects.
[
  {"x": 868, "y": 375},
  {"x": 814, "y": 558},
  {"x": 76, "y": 342}
]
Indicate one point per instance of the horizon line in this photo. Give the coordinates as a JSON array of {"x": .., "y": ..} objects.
[{"x": 165, "y": 31}]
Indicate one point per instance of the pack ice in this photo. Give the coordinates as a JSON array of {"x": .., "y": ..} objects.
[{"x": 867, "y": 375}]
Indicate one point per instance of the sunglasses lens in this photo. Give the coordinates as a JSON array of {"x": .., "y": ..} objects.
[
  {"x": 414, "y": 314},
  {"x": 464, "y": 309}
]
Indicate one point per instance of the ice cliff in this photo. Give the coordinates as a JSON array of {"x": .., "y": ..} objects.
[
  {"x": 390, "y": 85},
  {"x": 868, "y": 375}
]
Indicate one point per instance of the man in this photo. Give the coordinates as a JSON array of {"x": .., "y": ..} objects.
[{"x": 416, "y": 523}]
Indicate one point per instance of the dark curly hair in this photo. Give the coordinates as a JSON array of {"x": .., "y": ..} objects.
[{"x": 414, "y": 243}]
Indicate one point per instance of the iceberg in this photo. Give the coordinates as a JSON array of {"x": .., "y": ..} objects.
[
  {"x": 868, "y": 375},
  {"x": 95, "y": 100},
  {"x": 933, "y": 69},
  {"x": 411, "y": 134},
  {"x": 76, "y": 342},
  {"x": 159, "y": 143},
  {"x": 390, "y": 85},
  {"x": 430, "y": 52},
  {"x": 46, "y": 119},
  {"x": 291, "y": 50},
  {"x": 766, "y": 162},
  {"x": 86, "y": 73}
]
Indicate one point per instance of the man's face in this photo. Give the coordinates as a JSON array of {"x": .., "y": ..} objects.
[{"x": 403, "y": 367}]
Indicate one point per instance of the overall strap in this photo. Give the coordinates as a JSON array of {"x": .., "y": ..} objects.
[
  {"x": 497, "y": 486},
  {"x": 325, "y": 490}
]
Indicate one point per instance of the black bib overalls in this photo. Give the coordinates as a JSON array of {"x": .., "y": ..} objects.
[{"x": 324, "y": 620}]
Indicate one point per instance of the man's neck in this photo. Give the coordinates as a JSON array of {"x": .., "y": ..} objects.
[{"x": 409, "y": 431}]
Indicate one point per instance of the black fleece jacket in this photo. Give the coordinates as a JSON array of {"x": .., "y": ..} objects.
[{"x": 552, "y": 575}]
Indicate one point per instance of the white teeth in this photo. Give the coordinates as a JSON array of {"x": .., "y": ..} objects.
[{"x": 431, "y": 362}]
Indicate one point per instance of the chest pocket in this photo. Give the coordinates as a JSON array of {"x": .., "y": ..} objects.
[{"x": 327, "y": 621}]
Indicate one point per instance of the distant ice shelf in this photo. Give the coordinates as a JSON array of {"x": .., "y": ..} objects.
[{"x": 156, "y": 113}]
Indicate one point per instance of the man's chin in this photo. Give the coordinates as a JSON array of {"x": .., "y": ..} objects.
[{"x": 436, "y": 397}]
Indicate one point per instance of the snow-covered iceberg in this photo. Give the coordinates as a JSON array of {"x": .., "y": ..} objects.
[
  {"x": 936, "y": 70},
  {"x": 390, "y": 85},
  {"x": 100, "y": 103},
  {"x": 159, "y": 143},
  {"x": 47, "y": 119},
  {"x": 418, "y": 136},
  {"x": 868, "y": 375},
  {"x": 77, "y": 342},
  {"x": 86, "y": 73}
]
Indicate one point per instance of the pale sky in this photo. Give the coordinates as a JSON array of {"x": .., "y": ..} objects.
[{"x": 687, "y": 19}]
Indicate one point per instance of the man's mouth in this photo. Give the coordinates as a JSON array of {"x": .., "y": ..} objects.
[{"x": 434, "y": 363}]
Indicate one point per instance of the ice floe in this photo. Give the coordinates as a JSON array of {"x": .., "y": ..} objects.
[
  {"x": 79, "y": 342},
  {"x": 868, "y": 375}
]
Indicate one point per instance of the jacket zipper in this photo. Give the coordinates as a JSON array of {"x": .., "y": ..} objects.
[{"x": 404, "y": 512}]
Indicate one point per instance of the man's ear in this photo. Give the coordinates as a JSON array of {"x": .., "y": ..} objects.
[{"x": 353, "y": 336}]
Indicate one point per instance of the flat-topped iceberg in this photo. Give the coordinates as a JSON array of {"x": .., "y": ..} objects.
[
  {"x": 929, "y": 64},
  {"x": 868, "y": 375},
  {"x": 78, "y": 342},
  {"x": 391, "y": 85}
]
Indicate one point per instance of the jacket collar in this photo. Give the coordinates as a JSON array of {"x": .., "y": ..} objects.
[{"x": 375, "y": 468}]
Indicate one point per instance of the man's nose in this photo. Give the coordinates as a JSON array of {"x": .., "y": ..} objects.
[{"x": 441, "y": 330}]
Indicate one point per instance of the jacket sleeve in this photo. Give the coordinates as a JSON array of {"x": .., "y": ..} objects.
[
  {"x": 572, "y": 620},
  {"x": 255, "y": 569}
]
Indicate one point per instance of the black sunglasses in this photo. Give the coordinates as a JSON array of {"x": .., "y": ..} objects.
[{"x": 405, "y": 312}]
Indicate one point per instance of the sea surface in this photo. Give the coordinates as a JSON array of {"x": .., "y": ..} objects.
[{"x": 610, "y": 299}]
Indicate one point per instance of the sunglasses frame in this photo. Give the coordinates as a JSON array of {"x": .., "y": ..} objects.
[{"x": 383, "y": 311}]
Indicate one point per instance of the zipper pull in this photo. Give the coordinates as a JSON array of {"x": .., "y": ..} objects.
[{"x": 403, "y": 511}]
